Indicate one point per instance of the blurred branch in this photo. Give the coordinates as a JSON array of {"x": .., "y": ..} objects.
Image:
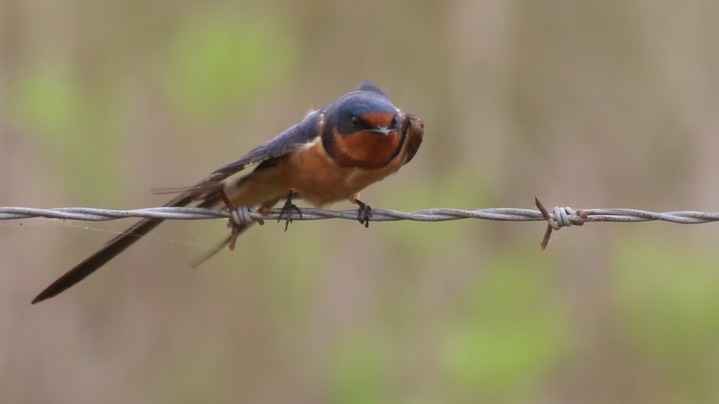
[{"x": 557, "y": 218}]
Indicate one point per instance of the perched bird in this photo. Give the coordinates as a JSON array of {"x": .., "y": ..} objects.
[{"x": 331, "y": 155}]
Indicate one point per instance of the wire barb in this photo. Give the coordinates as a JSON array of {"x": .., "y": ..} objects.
[
  {"x": 558, "y": 218},
  {"x": 241, "y": 215},
  {"x": 562, "y": 217}
]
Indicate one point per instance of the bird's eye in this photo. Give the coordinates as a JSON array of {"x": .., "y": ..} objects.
[{"x": 357, "y": 122}]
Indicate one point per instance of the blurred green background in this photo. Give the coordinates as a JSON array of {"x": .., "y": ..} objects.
[{"x": 588, "y": 104}]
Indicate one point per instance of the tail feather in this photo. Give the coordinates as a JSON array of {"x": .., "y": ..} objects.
[
  {"x": 106, "y": 253},
  {"x": 219, "y": 247},
  {"x": 100, "y": 258}
]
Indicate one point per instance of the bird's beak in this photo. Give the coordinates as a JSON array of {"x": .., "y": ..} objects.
[{"x": 382, "y": 130}]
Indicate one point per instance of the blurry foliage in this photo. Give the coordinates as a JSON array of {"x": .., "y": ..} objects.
[
  {"x": 220, "y": 62},
  {"x": 223, "y": 60},
  {"x": 362, "y": 365},
  {"x": 196, "y": 378},
  {"x": 49, "y": 100},
  {"x": 292, "y": 283},
  {"x": 666, "y": 296},
  {"x": 50, "y": 103},
  {"x": 508, "y": 333}
]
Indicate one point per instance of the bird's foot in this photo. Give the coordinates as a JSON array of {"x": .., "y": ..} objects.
[
  {"x": 288, "y": 208},
  {"x": 364, "y": 213}
]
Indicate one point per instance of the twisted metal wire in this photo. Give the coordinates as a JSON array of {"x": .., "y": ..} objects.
[
  {"x": 558, "y": 216},
  {"x": 556, "y": 219}
]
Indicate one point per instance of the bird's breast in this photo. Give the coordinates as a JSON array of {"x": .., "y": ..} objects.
[
  {"x": 365, "y": 149},
  {"x": 320, "y": 180}
]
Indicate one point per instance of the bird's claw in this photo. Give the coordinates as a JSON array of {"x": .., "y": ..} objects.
[
  {"x": 287, "y": 209},
  {"x": 364, "y": 213}
]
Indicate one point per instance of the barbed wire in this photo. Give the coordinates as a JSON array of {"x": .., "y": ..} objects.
[{"x": 556, "y": 218}]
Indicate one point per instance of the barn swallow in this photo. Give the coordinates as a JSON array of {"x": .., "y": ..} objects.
[{"x": 331, "y": 155}]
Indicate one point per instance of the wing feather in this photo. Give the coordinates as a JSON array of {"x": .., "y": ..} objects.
[{"x": 304, "y": 132}]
